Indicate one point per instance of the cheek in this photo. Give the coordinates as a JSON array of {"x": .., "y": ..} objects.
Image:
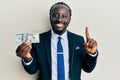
[
  {"x": 52, "y": 20},
  {"x": 66, "y": 21}
]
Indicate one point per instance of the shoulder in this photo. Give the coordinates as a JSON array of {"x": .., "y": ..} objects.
[
  {"x": 76, "y": 39},
  {"x": 47, "y": 33},
  {"x": 76, "y": 36}
]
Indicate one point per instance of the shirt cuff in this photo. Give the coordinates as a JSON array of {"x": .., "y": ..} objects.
[
  {"x": 27, "y": 64},
  {"x": 93, "y": 55}
]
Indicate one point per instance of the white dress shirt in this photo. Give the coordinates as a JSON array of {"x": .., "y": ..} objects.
[{"x": 64, "y": 41}]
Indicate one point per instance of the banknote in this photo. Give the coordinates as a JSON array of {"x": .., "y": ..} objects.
[{"x": 27, "y": 37}]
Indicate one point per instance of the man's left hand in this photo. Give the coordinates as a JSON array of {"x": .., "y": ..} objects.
[{"x": 90, "y": 45}]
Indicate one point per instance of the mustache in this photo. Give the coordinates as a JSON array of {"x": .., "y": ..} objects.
[{"x": 59, "y": 23}]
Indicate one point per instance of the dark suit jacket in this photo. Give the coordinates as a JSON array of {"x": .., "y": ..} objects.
[{"x": 78, "y": 58}]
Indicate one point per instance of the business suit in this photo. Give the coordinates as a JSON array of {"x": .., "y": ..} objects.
[{"x": 78, "y": 58}]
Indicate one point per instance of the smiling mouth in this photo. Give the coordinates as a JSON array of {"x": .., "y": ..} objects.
[{"x": 59, "y": 25}]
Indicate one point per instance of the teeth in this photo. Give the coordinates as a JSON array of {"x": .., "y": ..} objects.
[{"x": 59, "y": 24}]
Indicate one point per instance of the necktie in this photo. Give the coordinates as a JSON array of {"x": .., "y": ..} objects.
[{"x": 60, "y": 61}]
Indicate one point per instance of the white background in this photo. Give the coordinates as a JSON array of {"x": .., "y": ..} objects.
[{"x": 101, "y": 16}]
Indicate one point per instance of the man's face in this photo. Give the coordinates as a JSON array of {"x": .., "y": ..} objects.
[{"x": 60, "y": 18}]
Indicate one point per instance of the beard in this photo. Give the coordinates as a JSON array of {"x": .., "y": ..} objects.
[{"x": 59, "y": 32}]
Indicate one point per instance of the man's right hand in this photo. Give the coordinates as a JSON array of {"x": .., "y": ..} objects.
[{"x": 23, "y": 51}]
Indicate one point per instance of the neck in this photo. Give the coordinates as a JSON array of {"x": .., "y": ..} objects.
[{"x": 59, "y": 33}]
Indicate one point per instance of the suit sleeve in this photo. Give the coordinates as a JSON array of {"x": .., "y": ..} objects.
[
  {"x": 33, "y": 67},
  {"x": 89, "y": 62}
]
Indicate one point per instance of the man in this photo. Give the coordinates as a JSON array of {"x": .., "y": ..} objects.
[{"x": 76, "y": 54}]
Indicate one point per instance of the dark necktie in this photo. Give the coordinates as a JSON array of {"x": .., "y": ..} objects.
[{"x": 60, "y": 61}]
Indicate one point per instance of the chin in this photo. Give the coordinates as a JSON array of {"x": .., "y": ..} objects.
[{"x": 58, "y": 31}]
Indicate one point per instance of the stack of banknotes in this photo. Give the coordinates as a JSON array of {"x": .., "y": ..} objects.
[{"x": 27, "y": 37}]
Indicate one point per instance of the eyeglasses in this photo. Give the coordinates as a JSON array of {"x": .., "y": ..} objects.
[{"x": 57, "y": 16}]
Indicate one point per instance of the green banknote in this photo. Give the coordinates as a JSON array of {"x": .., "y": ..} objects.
[{"x": 27, "y": 37}]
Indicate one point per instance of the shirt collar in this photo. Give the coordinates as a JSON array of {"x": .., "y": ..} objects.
[{"x": 55, "y": 36}]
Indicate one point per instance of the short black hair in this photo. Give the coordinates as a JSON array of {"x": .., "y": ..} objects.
[{"x": 62, "y": 3}]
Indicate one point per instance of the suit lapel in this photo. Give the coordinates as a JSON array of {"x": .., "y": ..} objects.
[
  {"x": 71, "y": 51},
  {"x": 48, "y": 48}
]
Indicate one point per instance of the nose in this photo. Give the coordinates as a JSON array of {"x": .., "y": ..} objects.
[{"x": 59, "y": 19}]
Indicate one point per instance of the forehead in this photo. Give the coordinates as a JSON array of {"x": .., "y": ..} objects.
[{"x": 60, "y": 7}]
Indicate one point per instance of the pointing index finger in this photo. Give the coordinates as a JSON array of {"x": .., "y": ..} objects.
[{"x": 87, "y": 33}]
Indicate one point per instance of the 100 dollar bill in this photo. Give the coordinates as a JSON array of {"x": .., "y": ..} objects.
[{"x": 27, "y": 37}]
